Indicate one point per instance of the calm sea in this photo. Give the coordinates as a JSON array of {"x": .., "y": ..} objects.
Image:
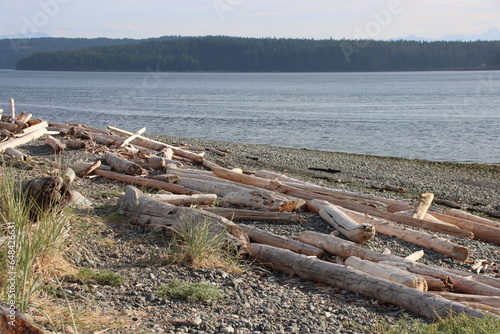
[{"x": 440, "y": 116}]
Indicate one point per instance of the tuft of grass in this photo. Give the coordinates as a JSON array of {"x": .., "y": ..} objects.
[
  {"x": 104, "y": 277},
  {"x": 198, "y": 243},
  {"x": 456, "y": 324},
  {"x": 190, "y": 292},
  {"x": 35, "y": 250}
]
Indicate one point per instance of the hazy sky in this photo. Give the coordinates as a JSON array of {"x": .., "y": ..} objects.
[{"x": 377, "y": 19}]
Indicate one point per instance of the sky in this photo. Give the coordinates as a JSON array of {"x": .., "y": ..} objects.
[{"x": 318, "y": 19}]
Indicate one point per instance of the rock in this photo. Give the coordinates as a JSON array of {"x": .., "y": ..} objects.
[{"x": 228, "y": 329}]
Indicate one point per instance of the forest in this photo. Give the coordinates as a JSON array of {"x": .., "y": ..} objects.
[{"x": 237, "y": 54}]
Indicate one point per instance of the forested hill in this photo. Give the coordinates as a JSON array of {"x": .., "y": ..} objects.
[
  {"x": 12, "y": 50},
  {"x": 233, "y": 54}
]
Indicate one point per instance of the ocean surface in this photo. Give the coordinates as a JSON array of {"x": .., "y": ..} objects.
[{"x": 439, "y": 116}]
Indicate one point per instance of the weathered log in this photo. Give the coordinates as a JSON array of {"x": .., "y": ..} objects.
[
  {"x": 146, "y": 211},
  {"x": 17, "y": 155},
  {"x": 424, "y": 202},
  {"x": 39, "y": 125},
  {"x": 436, "y": 284},
  {"x": 422, "y": 303},
  {"x": 56, "y": 144},
  {"x": 43, "y": 194},
  {"x": 255, "y": 215},
  {"x": 174, "y": 188},
  {"x": 345, "y": 249},
  {"x": 354, "y": 231},
  {"x": 387, "y": 272},
  {"x": 12, "y": 108},
  {"x": 241, "y": 178},
  {"x": 493, "y": 301},
  {"x": 26, "y": 117},
  {"x": 76, "y": 144},
  {"x": 122, "y": 165},
  {"x": 440, "y": 245},
  {"x": 469, "y": 216},
  {"x": 132, "y": 137},
  {"x": 415, "y": 256},
  {"x": 11, "y": 127},
  {"x": 150, "y": 163},
  {"x": 77, "y": 200},
  {"x": 485, "y": 279},
  {"x": 370, "y": 210},
  {"x": 181, "y": 200},
  {"x": 6, "y": 133},
  {"x": 268, "y": 238},
  {"x": 167, "y": 178},
  {"x": 14, "y": 322}
]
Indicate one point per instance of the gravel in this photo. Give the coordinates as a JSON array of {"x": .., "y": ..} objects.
[{"x": 258, "y": 300}]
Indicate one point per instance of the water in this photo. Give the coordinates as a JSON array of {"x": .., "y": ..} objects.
[{"x": 439, "y": 116}]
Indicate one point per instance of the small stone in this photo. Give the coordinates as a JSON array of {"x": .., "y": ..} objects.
[
  {"x": 228, "y": 329},
  {"x": 196, "y": 321},
  {"x": 152, "y": 276},
  {"x": 150, "y": 297},
  {"x": 267, "y": 310}
]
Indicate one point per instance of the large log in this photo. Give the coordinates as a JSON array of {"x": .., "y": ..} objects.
[
  {"x": 307, "y": 195},
  {"x": 241, "y": 178},
  {"x": 468, "y": 216},
  {"x": 55, "y": 143},
  {"x": 350, "y": 228},
  {"x": 424, "y": 202},
  {"x": 23, "y": 139},
  {"x": 180, "y": 200},
  {"x": 387, "y": 272},
  {"x": 150, "y": 163},
  {"x": 493, "y": 301},
  {"x": 422, "y": 303},
  {"x": 146, "y": 211},
  {"x": 123, "y": 165},
  {"x": 268, "y": 238},
  {"x": 255, "y": 215},
  {"x": 441, "y": 245},
  {"x": 345, "y": 249}
]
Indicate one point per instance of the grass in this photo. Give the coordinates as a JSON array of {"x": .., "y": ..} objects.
[
  {"x": 35, "y": 249},
  {"x": 200, "y": 244},
  {"x": 104, "y": 277},
  {"x": 190, "y": 292}
]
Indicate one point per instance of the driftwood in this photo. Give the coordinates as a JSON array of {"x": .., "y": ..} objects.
[
  {"x": 424, "y": 202},
  {"x": 200, "y": 199},
  {"x": 387, "y": 272},
  {"x": 264, "y": 237},
  {"x": 150, "y": 163},
  {"x": 345, "y": 249},
  {"x": 241, "y": 178},
  {"x": 493, "y": 301},
  {"x": 17, "y": 155},
  {"x": 123, "y": 165},
  {"x": 422, "y": 303},
  {"x": 76, "y": 144},
  {"x": 167, "y": 178},
  {"x": 354, "y": 231},
  {"x": 148, "y": 212},
  {"x": 468, "y": 216},
  {"x": 255, "y": 215},
  {"x": 23, "y": 139},
  {"x": 55, "y": 143},
  {"x": 420, "y": 238},
  {"x": 42, "y": 194}
]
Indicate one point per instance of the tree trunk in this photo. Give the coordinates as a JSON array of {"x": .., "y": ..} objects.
[
  {"x": 263, "y": 237},
  {"x": 17, "y": 155},
  {"x": 23, "y": 139},
  {"x": 251, "y": 180},
  {"x": 181, "y": 200},
  {"x": 123, "y": 165},
  {"x": 154, "y": 163},
  {"x": 468, "y": 216},
  {"x": 354, "y": 231},
  {"x": 345, "y": 249},
  {"x": 255, "y": 215},
  {"x": 441, "y": 245},
  {"x": 387, "y": 272},
  {"x": 422, "y": 303},
  {"x": 493, "y": 301}
]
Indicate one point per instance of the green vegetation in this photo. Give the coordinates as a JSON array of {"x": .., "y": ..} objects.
[
  {"x": 201, "y": 245},
  {"x": 33, "y": 251},
  {"x": 104, "y": 277},
  {"x": 190, "y": 292},
  {"x": 234, "y": 54},
  {"x": 458, "y": 324}
]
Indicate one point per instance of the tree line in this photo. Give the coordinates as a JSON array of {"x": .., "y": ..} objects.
[{"x": 237, "y": 54}]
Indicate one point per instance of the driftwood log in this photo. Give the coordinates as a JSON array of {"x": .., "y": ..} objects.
[
  {"x": 123, "y": 165},
  {"x": 55, "y": 143},
  {"x": 42, "y": 194},
  {"x": 422, "y": 303},
  {"x": 13, "y": 322}
]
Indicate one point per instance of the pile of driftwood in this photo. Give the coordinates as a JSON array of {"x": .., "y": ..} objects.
[{"x": 191, "y": 185}]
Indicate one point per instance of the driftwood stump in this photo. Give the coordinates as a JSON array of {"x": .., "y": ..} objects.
[{"x": 42, "y": 194}]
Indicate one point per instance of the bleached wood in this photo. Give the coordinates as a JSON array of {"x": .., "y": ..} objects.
[
  {"x": 123, "y": 165},
  {"x": 12, "y": 108},
  {"x": 132, "y": 137},
  {"x": 354, "y": 231},
  {"x": 14, "y": 142},
  {"x": 422, "y": 303},
  {"x": 424, "y": 202},
  {"x": 241, "y": 178},
  {"x": 493, "y": 301},
  {"x": 155, "y": 163},
  {"x": 182, "y": 200},
  {"x": 387, "y": 272},
  {"x": 255, "y": 215},
  {"x": 469, "y": 216},
  {"x": 414, "y": 257},
  {"x": 17, "y": 155},
  {"x": 55, "y": 143}
]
